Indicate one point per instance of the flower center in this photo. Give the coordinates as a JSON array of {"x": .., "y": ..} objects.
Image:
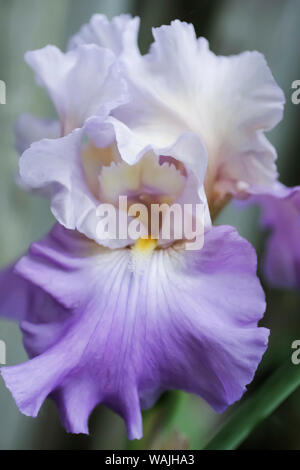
[
  {"x": 148, "y": 197},
  {"x": 145, "y": 245},
  {"x": 146, "y": 182}
]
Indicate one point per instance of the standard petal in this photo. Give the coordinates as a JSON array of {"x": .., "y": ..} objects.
[
  {"x": 118, "y": 35},
  {"x": 228, "y": 101},
  {"x": 281, "y": 216},
  {"x": 81, "y": 83},
  {"x": 134, "y": 333}
]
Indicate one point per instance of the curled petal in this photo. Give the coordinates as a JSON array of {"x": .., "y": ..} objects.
[
  {"x": 187, "y": 148},
  {"x": 55, "y": 169}
]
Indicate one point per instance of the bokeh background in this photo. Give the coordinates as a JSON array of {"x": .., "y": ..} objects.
[{"x": 178, "y": 421}]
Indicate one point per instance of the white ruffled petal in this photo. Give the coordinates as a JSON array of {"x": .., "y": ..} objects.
[
  {"x": 117, "y": 35},
  {"x": 83, "y": 82},
  {"x": 229, "y": 102}
]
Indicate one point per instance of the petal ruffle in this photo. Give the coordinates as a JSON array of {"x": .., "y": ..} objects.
[
  {"x": 83, "y": 82},
  {"x": 133, "y": 333},
  {"x": 118, "y": 35},
  {"x": 187, "y": 148},
  {"x": 228, "y": 101}
]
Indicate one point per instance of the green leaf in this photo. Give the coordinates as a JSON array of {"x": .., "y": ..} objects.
[{"x": 257, "y": 408}]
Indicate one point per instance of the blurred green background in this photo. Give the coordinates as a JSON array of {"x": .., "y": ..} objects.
[{"x": 270, "y": 26}]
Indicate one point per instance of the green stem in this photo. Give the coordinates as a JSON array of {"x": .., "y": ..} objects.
[
  {"x": 176, "y": 400},
  {"x": 258, "y": 407},
  {"x": 160, "y": 420}
]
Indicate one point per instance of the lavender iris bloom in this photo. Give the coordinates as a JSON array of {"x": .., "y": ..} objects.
[{"x": 120, "y": 321}]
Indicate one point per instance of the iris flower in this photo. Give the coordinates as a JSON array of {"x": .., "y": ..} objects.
[{"x": 120, "y": 321}]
